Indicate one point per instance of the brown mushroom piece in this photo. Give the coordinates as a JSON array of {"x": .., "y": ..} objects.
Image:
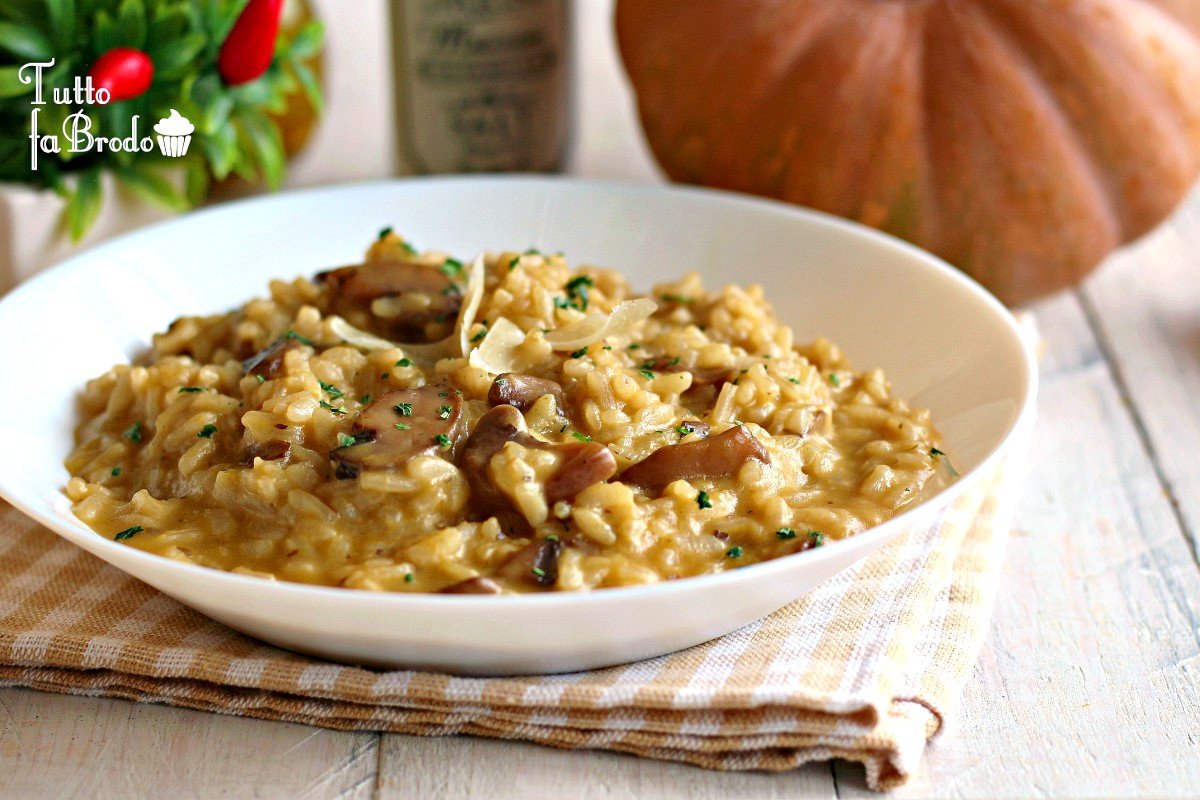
[
  {"x": 701, "y": 376},
  {"x": 429, "y": 295},
  {"x": 522, "y": 391},
  {"x": 400, "y": 425},
  {"x": 535, "y": 563},
  {"x": 268, "y": 362},
  {"x": 713, "y": 457},
  {"x": 272, "y": 450},
  {"x": 582, "y": 463},
  {"x": 476, "y": 585}
]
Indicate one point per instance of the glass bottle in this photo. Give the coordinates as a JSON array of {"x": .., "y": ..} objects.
[{"x": 482, "y": 85}]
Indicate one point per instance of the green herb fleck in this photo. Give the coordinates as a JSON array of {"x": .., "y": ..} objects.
[
  {"x": 703, "y": 500},
  {"x": 190, "y": 389},
  {"x": 291, "y": 334},
  {"x": 331, "y": 390},
  {"x": 533, "y": 251},
  {"x": 331, "y": 408},
  {"x": 400, "y": 426},
  {"x": 129, "y": 533},
  {"x": 794, "y": 380},
  {"x": 403, "y": 409},
  {"x": 383, "y": 232},
  {"x": 735, "y": 551},
  {"x": 583, "y": 437},
  {"x": 451, "y": 267},
  {"x": 346, "y": 440},
  {"x": 577, "y": 290},
  {"x": 477, "y": 338},
  {"x": 646, "y": 373},
  {"x": 207, "y": 431},
  {"x": 538, "y": 571},
  {"x": 607, "y": 347},
  {"x": 512, "y": 262},
  {"x": 562, "y": 302},
  {"x": 261, "y": 378},
  {"x": 580, "y": 353},
  {"x": 834, "y": 379},
  {"x": 817, "y": 538},
  {"x": 934, "y": 452},
  {"x": 684, "y": 430},
  {"x": 633, "y": 346},
  {"x": 552, "y": 537},
  {"x": 365, "y": 399},
  {"x": 134, "y": 434},
  {"x": 408, "y": 248},
  {"x": 677, "y": 298},
  {"x": 442, "y": 439},
  {"x": 404, "y": 362},
  {"x": 116, "y": 472},
  {"x": 409, "y": 577},
  {"x": 785, "y": 533},
  {"x": 444, "y": 411},
  {"x": 501, "y": 381}
]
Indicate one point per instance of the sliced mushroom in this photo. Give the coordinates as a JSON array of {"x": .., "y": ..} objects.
[
  {"x": 714, "y": 457},
  {"x": 701, "y": 376},
  {"x": 268, "y": 362},
  {"x": 476, "y": 585},
  {"x": 400, "y": 425},
  {"x": 581, "y": 463},
  {"x": 535, "y": 563},
  {"x": 522, "y": 391},
  {"x": 424, "y": 295},
  {"x": 273, "y": 450}
]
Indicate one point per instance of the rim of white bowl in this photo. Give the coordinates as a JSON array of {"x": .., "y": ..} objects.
[{"x": 340, "y": 595}]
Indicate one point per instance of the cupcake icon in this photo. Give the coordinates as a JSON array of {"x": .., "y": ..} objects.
[{"x": 174, "y": 134}]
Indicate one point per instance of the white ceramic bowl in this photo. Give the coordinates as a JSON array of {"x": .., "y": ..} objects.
[{"x": 944, "y": 342}]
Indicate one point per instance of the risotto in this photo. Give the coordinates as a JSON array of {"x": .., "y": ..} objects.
[{"x": 416, "y": 423}]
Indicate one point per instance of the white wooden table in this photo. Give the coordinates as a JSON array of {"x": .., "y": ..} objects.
[{"x": 1089, "y": 684}]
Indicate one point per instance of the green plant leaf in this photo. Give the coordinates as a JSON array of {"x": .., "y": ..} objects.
[
  {"x": 131, "y": 24},
  {"x": 150, "y": 185},
  {"x": 62, "y": 24},
  {"x": 266, "y": 143},
  {"x": 84, "y": 204},
  {"x": 197, "y": 181},
  {"x": 168, "y": 26},
  {"x": 307, "y": 41},
  {"x": 310, "y": 85},
  {"x": 177, "y": 56},
  {"x": 24, "y": 41},
  {"x": 221, "y": 150},
  {"x": 105, "y": 35},
  {"x": 10, "y": 84}
]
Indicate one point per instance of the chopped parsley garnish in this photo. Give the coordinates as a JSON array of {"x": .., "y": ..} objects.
[
  {"x": 134, "y": 434},
  {"x": 403, "y": 409},
  {"x": 577, "y": 290},
  {"x": 404, "y": 362},
  {"x": 129, "y": 533},
  {"x": 646, "y": 373},
  {"x": 444, "y": 411},
  {"x": 785, "y": 533},
  {"x": 552, "y": 537},
  {"x": 512, "y": 262},
  {"x": 607, "y": 347},
  {"x": 501, "y": 381},
  {"x": 116, "y": 472},
  {"x": 334, "y": 409},
  {"x": 346, "y": 440},
  {"x": 703, "y": 500},
  {"x": 190, "y": 389},
  {"x": 261, "y": 378},
  {"x": 409, "y": 577},
  {"x": 580, "y": 353},
  {"x": 533, "y": 251},
  {"x": 834, "y": 379},
  {"x": 677, "y": 298},
  {"x": 633, "y": 346},
  {"x": 451, "y": 267},
  {"x": 794, "y": 380},
  {"x": 934, "y": 452},
  {"x": 477, "y": 338},
  {"x": 684, "y": 430},
  {"x": 452, "y": 289},
  {"x": 735, "y": 551},
  {"x": 442, "y": 439},
  {"x": 207, "y": 431},
  {"x": 408, "y": 248},
  {"x": 443, "y": 394},
  {"x": 817, "y": 538},
  {"x": 583, "y": 437},
  {"x": 562, "y": 302},
  {"x": 366, "y": 398},
  {"x": 331, "y": 390},
  {"x": 291, "y": 334},
  {"x": 400, "y": 426},
  {"x": 538, "y": 571},
  {"x": 674, "y": 361},
  {"x": 383, "y": 232}
]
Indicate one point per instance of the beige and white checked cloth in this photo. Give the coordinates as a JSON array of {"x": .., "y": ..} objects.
[{"x": 865, "y": 667}]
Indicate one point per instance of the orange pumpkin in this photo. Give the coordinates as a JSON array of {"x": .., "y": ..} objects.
[{"x": 1022, "y": 140}]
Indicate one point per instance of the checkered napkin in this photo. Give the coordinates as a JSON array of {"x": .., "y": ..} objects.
[{"x": 864, "y": 667}]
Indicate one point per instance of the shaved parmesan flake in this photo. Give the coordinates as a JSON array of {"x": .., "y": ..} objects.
[
  {"x": 722, "y": 410},
  {"x": 497, "y": 352},
  {"x": 357, "y": 338},
  {"x": 594, "y": 327},
  {"x": 472, "y": 298}
]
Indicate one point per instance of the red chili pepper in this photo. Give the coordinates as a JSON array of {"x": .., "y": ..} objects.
[
  {"x": 250, "y": 46},
  {"x": 125, "y": 72}
]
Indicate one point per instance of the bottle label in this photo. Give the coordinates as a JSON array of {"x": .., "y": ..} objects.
[{"x": 482, "y": 84}]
